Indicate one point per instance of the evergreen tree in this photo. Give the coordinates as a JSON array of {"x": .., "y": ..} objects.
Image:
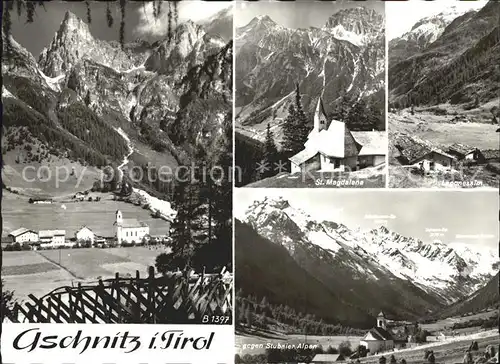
[
  {"x": 289, "y": 130},
  {"x": 88, "y": 100},
  {"x": 296, "y": 127},
  {"x": 270, "y": 152},
  {"x": 302, "y": 125}
]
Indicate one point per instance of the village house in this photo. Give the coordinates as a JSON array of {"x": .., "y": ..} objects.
[
  {"x": 331, "y": 146},
  {"x": 85, "y": 234},
  {"x": 129, "y": 230},
  {"x": 23, "y": 235},
  {"x": 378, "y": 339},
  {"x": 462, "y": 151},
  {"x": 327, "y": 358},
  {"x": 417, "y": 153},
  {"x": 52, "y": 238}
]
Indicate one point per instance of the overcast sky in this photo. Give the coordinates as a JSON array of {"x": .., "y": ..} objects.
[
  {"x": 402, "y": 15},
  {"x": 297, "y": 14},
  {"x": 416, "y": 212},
  {"x": 139, "y": 20}
]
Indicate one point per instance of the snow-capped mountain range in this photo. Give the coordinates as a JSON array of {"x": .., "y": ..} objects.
[
  {"x": 137, "y": 86},
  {"x": 344, "y": 56},
  {"x": 446, "y": 272},
  {"x": 423, "y": 33},
  {"x": 447, "y": 58}
]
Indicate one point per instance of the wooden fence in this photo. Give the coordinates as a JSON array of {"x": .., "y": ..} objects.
[{"x": 178, "y": 298}]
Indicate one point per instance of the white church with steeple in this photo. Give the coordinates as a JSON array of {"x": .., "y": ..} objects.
[
  {"x": 331, "y": 146},
  {"x": 378, "y": 339},
  {"x": 129, "y": 230}
]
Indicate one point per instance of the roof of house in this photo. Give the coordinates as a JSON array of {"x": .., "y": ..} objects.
[
  {"x": 381, "y": 314},
  {"x": 336, "y": 141},
  {"x": 325, "y": 358},
  {"x": 132, "y": 223},
  {"x": 413, "y": 148},
  {"x": 303, "y": 155},
  {"x": 372, "y": 142},
  {"x": 380, "y": 334},
  {"x": 461, "y": 148},
  {"x": 20, "y": 231},
  {"x": 51, "y": 233},
  {"x": 82, "y": 228}
]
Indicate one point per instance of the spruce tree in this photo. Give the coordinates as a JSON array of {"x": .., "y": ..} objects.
[
  {"x": 302, "y": 127},
  {"x": 289, "y": 129},
  {"x": 270, "y": 151}
]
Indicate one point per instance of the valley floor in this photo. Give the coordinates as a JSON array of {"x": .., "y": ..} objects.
[
  {"x": 469, "y": 128},
  {"x": 450, "y": 352},
  {"x": 39, "y": 272}
]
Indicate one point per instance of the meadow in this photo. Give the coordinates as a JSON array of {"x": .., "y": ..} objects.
[
  {"x": 71, "y": 216},
  {"x": 39, "y": 272},
  {"x": 445, "y": 353},
  {"x": 439, "y": 130}
]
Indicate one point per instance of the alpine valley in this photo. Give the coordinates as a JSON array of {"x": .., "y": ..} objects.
[
  {"x": 443, "y": 96},
  {"x": 343, "y": 275},
  {"x": 341, "y": 60}
]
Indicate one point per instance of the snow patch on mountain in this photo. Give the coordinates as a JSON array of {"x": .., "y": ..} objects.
[{"x": 433, "y": 266}]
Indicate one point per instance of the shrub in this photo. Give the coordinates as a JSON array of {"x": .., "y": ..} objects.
[
  {"x": 382, "y": 360},
  {"x": 392, "y": 359}
]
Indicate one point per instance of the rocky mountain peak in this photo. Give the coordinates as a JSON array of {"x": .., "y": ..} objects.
[{"x": 359, "y": 20}]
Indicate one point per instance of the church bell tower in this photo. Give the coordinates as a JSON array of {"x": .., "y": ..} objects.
[
  {"x": 118, "y": 226},
  {"x": 381, "y": 321}
]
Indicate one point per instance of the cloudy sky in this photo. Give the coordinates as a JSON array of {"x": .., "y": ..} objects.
[
  {"x": 297, "y": 14},
  {"x": 139, "y": 20},
  {"x": 402, "y": 15},
  {"x": 474, "y": 214}
]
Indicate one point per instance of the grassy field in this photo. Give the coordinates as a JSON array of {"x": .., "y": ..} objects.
[
  {"x": 447, "y": 323},
  {"x": 445, "y": 353},
  {"x": 98, "y": 216},
  {"x": 39, "y": 272},
  {"x": 40, "y": 178},
  {"x": 254, "y": 345},
  {"x": 439, "y": 130}
]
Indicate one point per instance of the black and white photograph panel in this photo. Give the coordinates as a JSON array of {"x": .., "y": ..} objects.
[
  {"x": 310, "y": 94},
  {"x": 358, "y": 276},
  {"x": 443, "y": 94},
  {"x": 117, "y": 161}
]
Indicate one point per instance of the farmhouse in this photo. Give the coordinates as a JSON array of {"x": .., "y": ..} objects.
[
  {"x": 85, "y": 234},
  {"x": 52, "y": 237},
  {"x": 424, "y": 155},
  {"x": 23, "y": 235},
  {"x": 378, "y": 339},
  {"x": 129, "y": 230},
  {"x": 326, "y": 358},
  {"x": 462, "y": 151},
  {"x": 331, "y": 146}
]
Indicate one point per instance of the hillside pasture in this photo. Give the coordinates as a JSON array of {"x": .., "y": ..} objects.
[
  {"x": 52, "y": 177},
  {"x": 98, "y": 216},
  {"x": 445, "y": 353},
  {"x": 441, "y": 131},
  {"x": 39, "y": 272},
  {"x": 448, "y": 323}
]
